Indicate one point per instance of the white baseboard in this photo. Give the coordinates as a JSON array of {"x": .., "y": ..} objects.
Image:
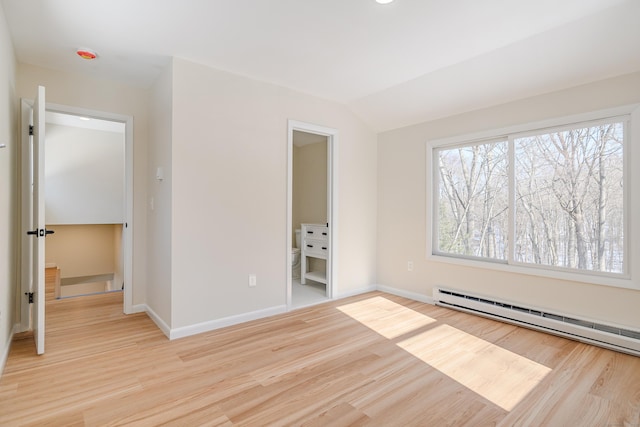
[
  {"x": 5, "y": 354},
  {"x": 407, "y": 294},
  {"x": 211, "y": 325},
  {"x": 138, "y": 308},
  {"x": 355, "y": 292},
  {"x": 198, "y": 328},
  {"x": 157, "y": 320}
]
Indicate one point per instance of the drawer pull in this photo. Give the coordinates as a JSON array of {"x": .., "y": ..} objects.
[
  {"x": 324, "y": 233},
  {"x": 309, "y": 246},
  {"x": 309, "y": 232},
  {"x": 324, "y": 248}
]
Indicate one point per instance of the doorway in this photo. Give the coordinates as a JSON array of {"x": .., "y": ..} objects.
[
  {"x": 311, "y": 219},
  {"x": 116, "y": 230},
  {"x": 84, "y": 202}
]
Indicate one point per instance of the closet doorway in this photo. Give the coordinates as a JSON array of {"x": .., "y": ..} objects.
[{"x": 311, "y": 223}]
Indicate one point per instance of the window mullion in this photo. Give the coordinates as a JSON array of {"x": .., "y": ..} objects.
[
  {"x": 626, "y": 198},
  {"x": 512, "y": 201}
]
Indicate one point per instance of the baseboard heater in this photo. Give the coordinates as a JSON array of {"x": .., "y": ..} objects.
[{"x": 607, "y": 336}]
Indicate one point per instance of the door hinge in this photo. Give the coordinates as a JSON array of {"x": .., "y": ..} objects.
[
  {"x": 30, "y": 295},
  {"x": 30, "y": 129}
]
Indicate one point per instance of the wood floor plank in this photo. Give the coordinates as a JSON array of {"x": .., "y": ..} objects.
[
  {"x": 369, "y": 360},
  {"x": 342, "y": 414}
]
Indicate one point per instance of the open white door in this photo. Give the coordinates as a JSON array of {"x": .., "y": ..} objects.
[{"x": 38, "y": 232}]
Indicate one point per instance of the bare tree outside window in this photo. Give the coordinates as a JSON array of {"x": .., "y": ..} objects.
[
  {"x": 568, "y": 199},
  {"x": 473, "y": 200}
]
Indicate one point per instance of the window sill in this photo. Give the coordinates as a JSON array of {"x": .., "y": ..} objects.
[{"x": 595, "y": 279}]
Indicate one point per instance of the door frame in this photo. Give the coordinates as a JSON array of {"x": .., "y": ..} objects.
[
  {"x": 332, "y": 202},
  {"x": 127, "y": 238}
]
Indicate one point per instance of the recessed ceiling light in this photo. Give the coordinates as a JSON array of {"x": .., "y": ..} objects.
[
  {"x": 384, "y": 1},
  {"x": 87, "y": 54},
  {"x": 86, "y": 119}
]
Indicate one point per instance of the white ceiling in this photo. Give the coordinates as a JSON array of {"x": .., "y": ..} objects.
[{"x": 394, "y": 65}]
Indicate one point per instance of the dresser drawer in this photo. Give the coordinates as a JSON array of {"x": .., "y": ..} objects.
[
  {"x": 315, "y": 244},
  {"x": 314, "y": 247},
  {"x": 317, "y": 232}
]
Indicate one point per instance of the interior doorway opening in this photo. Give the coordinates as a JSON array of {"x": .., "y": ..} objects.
[
  {"x": 311, "y": 217},
  {"x": 118, "y": 231},
  {"x": 84, "y": 204}
]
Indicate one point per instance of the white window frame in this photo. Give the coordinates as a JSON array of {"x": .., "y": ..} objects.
[{"x": 629, "y": 279}]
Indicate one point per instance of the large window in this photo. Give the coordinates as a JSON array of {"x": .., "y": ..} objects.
[{"x": 551, "y": 198}]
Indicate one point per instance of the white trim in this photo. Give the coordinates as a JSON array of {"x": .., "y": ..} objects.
[
  {"x": 25, "y": 214},
  {"x": 7, "y": 348},
  {"x": 138, "y": 308},
  {"x": 127, "y": 240},
  {"x": 332, "y": 203},
  {"x": 289, "y": 220},
  {"x": 166, "y": 330},
  {"x": 511, "y": 200},
  {"x": 537, "y": 271},
  {"x": 211, "y": 325},
  {"x": 358, "y": 291},
  {"x": 406, "y": 294},
  {"x": 127, "y": 244},
  {"x": 539, "y": 125},
  {"x": 198, "y": 328},
  {"x": 628, "y": 279}
]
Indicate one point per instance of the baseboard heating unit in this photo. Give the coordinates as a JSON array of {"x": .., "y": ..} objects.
[{"x": 607, "y": 336}]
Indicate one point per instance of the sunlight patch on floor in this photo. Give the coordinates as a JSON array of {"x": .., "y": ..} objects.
[
  {"x": 497, "y": 374},
  {"x": 387, "y": 318}
]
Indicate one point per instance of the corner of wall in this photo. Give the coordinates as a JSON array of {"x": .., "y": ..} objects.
[
  {"x": 7, "y": 348},
  {"x": 158, "y": 206},
  {"x": 9, "y": 191}
]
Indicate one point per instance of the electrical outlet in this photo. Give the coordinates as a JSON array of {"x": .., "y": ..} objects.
[
  {"x": 252, "y": 281},
  {"x": 409, "y": 265}
]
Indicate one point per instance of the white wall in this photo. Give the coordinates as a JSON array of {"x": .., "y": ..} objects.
[
  {"x": 309, "y": 203},
  {"x": 159, "y": 203},
  {"x": 9, "y": 223},
  {"x": 229, "y": 183},
  {"x": 84, "y": 176},
  {"x": 83, "y": 250},
  {"x": 309, "y": 184},
  {"x": 83, "y": 91},
  {"x": 402, "y": 216}
]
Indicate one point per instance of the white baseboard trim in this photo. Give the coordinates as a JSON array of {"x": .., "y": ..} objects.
[
  {"x": 198, "y": 328},
  {"x": 5, "y": 354},
  {"x": 407, "y": 294},
  {"x": 138, "y": 308},
  {"x": 157, "y": 320},
  {"x": 211, "y": 325},
  {"x": 355, "y": 292}
]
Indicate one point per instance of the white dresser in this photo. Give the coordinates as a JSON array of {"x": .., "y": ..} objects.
[{"x": 315, "y": 244}]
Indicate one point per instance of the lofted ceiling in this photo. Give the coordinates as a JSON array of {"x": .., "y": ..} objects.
[{"x": 394, "y": 65}]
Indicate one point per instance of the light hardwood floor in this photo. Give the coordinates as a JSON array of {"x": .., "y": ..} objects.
[{"x": 373, "y": 359}]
